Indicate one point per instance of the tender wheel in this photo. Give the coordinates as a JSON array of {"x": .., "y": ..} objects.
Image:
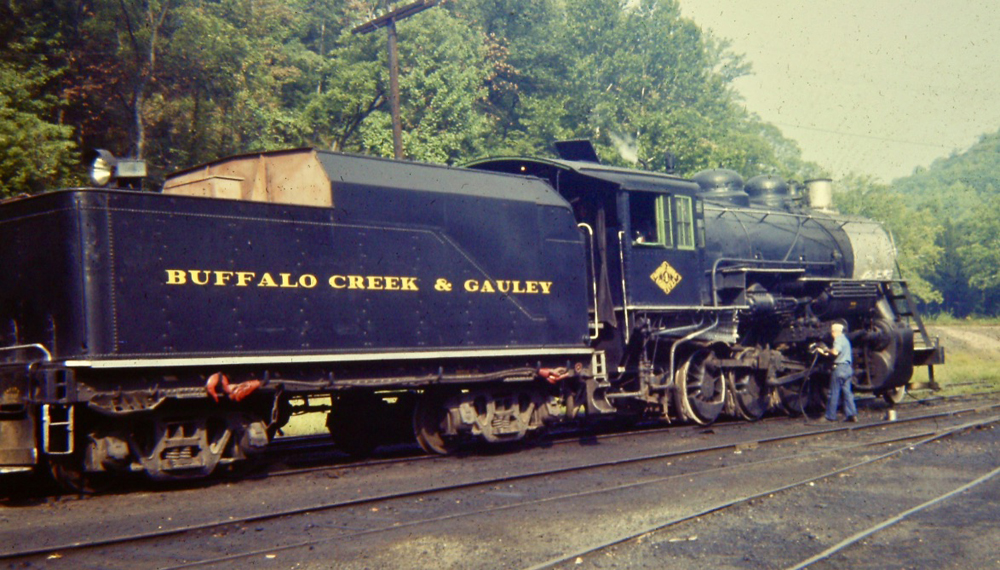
[
  {"x": 430, "y": 424},
  {"x": 749, "y": 391},
  {"x": 895, "y": 395},
  {"x": 351, "y": 427},
  {"x": 701, "y": 388}
]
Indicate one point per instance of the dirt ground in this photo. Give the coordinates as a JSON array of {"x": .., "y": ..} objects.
[
  {"x": 517, "y": 524},
  {"x": 973, "y": 338}
]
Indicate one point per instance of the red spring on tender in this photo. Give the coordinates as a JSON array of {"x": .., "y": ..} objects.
[
  {"x": 235, "y": 392},
  {"x": 554, "y": 375},
  {"x": 214, "y": 381},
  {"x": 244, "y": 389}
]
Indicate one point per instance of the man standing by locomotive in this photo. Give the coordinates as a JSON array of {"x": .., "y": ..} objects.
[{"x": 840, "y": 379}]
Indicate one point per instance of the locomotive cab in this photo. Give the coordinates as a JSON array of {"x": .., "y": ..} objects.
[
  {"x": 666, "y": 243},
  {"x": 647, "y": 238}
]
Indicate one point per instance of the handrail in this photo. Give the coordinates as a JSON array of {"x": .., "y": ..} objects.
[
  {"x": 593, "y": 274},
  {"x": 45, "y": 351},
  {"x": 621, "y": 256}
]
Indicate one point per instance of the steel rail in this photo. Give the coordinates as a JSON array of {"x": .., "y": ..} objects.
[
  {"x": 571, "y": 437},
  {"x": 559, "y": 498},
  {"x": 892, "y": 520},
  {"x": 746, "y": 499},
  {"x": 744, "y": 444}
]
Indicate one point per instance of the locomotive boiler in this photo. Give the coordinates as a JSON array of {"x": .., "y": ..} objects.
[{"x": 170, "y": 333}]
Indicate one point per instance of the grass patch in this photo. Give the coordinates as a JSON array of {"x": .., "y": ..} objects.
[
  {"x": 306, "y": 424},
  {"x": 312, "y": 423},
  {"x": 963, "y": 373},
  {"x": 972, "y": 356},
  {"x": 945, "y": 319}
]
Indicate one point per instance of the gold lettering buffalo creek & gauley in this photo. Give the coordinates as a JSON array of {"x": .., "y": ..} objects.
[{"x": 221, "y": 278}]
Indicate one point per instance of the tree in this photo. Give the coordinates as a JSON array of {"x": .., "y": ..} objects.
[
  {"x": 37, "y": 151},
  {"x": 351, "y": 90},
  {"x": 958, "y": 297},
  {"x": 224, "y": 81},
  {"x": 183, "y": 81},
  {"x": 914, "y": 231},
  {"x": 961, "y": 191},
  {"x": 635, "y": 77},
  {"x": 442, "y": 77},
  {"x": 119, "y": 58},
  {"x": 980, "y": 254},
  {"x": 36, "y": 154}
]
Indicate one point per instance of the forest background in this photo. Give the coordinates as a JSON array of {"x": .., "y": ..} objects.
[{"x": 181, "y": 82}]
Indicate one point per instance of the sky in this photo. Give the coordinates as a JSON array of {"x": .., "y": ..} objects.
[{"x": 874, "y": 87}]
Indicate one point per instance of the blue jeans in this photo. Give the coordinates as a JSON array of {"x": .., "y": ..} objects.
[{"x": 840, "y": 380}]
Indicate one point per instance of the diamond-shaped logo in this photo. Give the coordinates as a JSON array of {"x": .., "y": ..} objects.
[{"x": 666, "y": 277}]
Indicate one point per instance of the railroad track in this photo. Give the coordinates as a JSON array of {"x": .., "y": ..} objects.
[
  {"x": 225, "y": 527},
  {"x": 308, "y": 445},
  {"x": 882, "y": 525},
  {"x": 577, "y": 556},
  {"x": 300, "y": 455}
]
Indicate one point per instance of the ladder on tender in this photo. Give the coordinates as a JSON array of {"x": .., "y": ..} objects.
[{"x": 927, "y": 350}]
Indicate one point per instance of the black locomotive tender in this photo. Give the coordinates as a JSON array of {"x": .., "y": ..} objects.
[{"x": 172, "y": 333}]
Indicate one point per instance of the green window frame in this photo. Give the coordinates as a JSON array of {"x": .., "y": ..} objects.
[
  {"x": 685, "y": 222},
  {"x": 650, "y": 220}
]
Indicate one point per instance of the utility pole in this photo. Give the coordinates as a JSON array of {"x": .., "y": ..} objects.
[{"x": 388, "y": 21}]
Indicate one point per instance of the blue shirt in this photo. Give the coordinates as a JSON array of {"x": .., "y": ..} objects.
[{"x": 843, "y": 348}]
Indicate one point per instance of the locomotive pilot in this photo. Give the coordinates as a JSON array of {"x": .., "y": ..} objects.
[{"x": 840, "y": 379}]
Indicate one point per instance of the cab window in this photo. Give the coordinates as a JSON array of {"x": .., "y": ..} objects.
[
  {"x": 649, "y": 215},
  {"x": 685, "y": 222}
]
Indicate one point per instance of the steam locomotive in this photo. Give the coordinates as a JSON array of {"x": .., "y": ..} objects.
[{"x": 173, "y": 333}]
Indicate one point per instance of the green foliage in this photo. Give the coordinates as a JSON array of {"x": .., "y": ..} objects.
[
  {"x": 981, "y": 248},
  {"x": 35, "y": 153},
  {"x": 442, "y": 78},
  {"x": 183, "y": 81},
  {"x": 960, "y": 192},
  {"x": 635, "y": 77},
  {"x": 914, "y": 232},
  {"x": 959, "y": 184}
]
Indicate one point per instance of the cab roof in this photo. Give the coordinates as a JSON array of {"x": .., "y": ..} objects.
[{"x": 622, "y": 178}]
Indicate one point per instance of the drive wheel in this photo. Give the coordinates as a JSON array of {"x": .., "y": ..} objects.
[
  {"x": 749, "y": 390},
  {"x": 816, "y": 393},
  {"x": 701, "y": 387},
  {"x": 806, "y": 397},
  {"x": 895, "y": 395},
  {"x": 790, "y": 398},
  {"x": 430, "y": 424}
]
